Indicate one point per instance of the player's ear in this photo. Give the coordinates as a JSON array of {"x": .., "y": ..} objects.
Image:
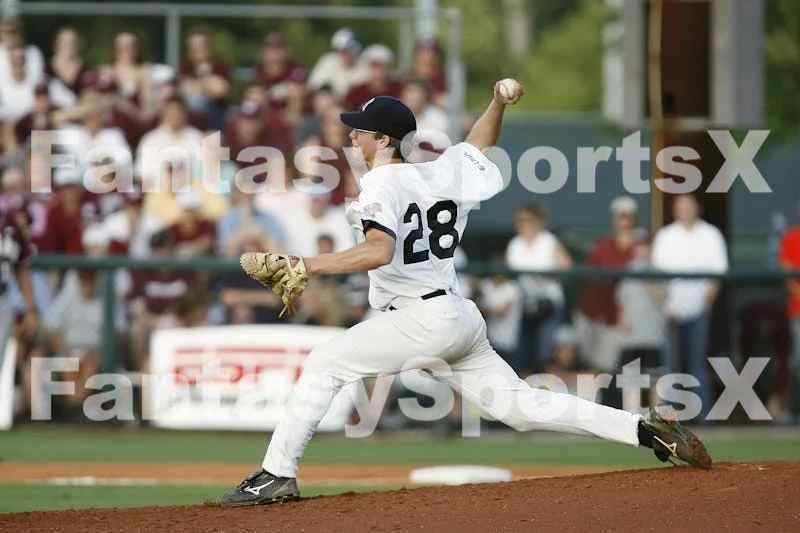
[{"x": 383, "y": 141}]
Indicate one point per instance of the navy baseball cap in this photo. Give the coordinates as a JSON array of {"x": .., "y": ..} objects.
[{"x": 383, "y": 114}]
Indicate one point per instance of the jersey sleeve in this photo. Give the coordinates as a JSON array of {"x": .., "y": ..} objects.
[
  {"x": 376, "y": 207},
  {"x": 475, "y": 177}
]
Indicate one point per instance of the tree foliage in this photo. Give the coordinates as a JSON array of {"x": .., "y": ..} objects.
[{"x": 783, "y": 66}]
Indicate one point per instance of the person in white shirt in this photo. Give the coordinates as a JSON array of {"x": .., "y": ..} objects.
[
  {"x": 173, "y": 139},
  {"x": 690, "y": 244},
  {"x": 342, "y": 68},
  {"x": 17, "y": 90},
  {"x": 501, "y": 304},
  {"x": 535, "y": 248},
  {"x": 12, "y": 36},
  {"x": 92, "y": 142}
]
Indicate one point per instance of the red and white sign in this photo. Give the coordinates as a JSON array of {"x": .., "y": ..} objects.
[{"x": 232, "y": 377}]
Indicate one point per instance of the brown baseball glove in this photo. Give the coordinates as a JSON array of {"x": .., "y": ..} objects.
[{"x": 285, "y": 274}]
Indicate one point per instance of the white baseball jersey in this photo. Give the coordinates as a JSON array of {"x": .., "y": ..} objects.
[{"x": 424, "y": 206}]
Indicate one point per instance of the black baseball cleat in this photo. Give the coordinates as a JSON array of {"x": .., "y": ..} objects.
[
  {"x": 670, "y": 440},
  {"x": 261, "y": 488}
]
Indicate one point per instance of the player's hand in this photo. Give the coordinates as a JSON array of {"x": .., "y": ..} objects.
[
  {"x": 286, "y": 275},
  {"x": 508, "y": 91}
]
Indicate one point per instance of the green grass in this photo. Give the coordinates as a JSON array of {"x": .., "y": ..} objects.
[
  {"x": 23, "y": 498},
  {"x": 95, "y": 444},
  {"x": 87, "y": 444}
]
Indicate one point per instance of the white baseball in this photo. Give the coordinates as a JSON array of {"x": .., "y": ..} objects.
[{"x": 510, "y": 89}]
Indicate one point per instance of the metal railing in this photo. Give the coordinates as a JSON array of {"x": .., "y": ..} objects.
[{"x": 109, "y": 264}]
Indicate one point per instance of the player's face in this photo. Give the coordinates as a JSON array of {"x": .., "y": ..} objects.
[{"x": 364, "y": 141}]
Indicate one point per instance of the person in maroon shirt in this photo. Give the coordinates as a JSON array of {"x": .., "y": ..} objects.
[
  {"x": 598, "y": 319},
  {"x": 154, "y": 298},
  {"x": 67, "y": 213},
  {"x": 379, "y": 83},
  {"x": 192, "y": 234},
  {"x": 66, "y": 67},
  {"x": 427, "y": 66},
  {"x": 16, "y": 249},
  {"x": 204, "y": 80},
  {"x": 40, "y": 118},
  {"x": 282, "y": 78},
  {"x": 253, "y": 125}
]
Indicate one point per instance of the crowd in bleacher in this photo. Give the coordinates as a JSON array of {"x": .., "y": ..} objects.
[{"x": 117, "y": 115}]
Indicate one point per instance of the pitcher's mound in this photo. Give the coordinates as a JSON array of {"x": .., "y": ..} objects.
[{"x": 731, "y": 497}]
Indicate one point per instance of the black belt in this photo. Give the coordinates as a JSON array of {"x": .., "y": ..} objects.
[{"x": 434, "y": 294}]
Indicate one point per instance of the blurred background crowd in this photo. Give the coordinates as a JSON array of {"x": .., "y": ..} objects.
[{"x": 132, "y": 103}]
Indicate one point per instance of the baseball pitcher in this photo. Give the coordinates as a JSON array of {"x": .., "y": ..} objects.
[{"x": 412, "y": 217}]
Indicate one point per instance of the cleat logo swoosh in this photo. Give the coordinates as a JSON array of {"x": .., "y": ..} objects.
[
  {"x": 671, "y": 447},
  {"x": 257, "y": 490}
]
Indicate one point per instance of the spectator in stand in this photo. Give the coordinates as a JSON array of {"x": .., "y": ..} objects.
[
  {"x": 66, "y": 71},
  {"x": 135, "y": 81},
  {"x": 253, "y": 125},
  {"x": 598, "y": 319},
  {"x": 128, "y": 73},
  {"x": 416, "y": 95},
  {"x": 340, "y": 69},
  {"x": 41, "y": 117},
  {"x": 335, "y": 136},
  {"x": 431, "y": 137},
  {"x": 535, "y": 248},
  {"x": 253, "y": 93},
  {"x": 641, "y": 315},
  {"x": 161, "y": 207},
  {"x": 99, "y": 91},
  {"x": 193, "y": 235},
  {"x": 67, "y": 214},
  {"x": 154, "y": 298},
  {"x": 73, "y": 328},
  {"x": 282, "y": 78},
  {"x": 790, "y": 260},
  {"x": 427, "y": 66},
  {"x": 93, "y": 142},
  {"x": 194, "y": 309},
  {"x": 243, "y": 223},
  {"x": 690, "y": 244},
  {"x": 173, "y": 136},
  {"x": 567, "y": 362},
  {"x": 204, "y": 80},
  {"x": 322, "y": 101},
  {"x": 325, "y": 219},
  {"x": 12, "y": 36},
  {"x": 17, "y": 92},
  {"x": 379, "y": 82},
  {"x": 501, "y": 304},
  {"x": 126, "y": 230}
]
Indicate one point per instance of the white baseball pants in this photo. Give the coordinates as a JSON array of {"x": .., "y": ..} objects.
[{"x": 449, "y": 329}]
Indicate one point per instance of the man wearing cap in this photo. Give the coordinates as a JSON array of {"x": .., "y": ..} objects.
[
  {"x": 411, "y": 218},
  {"x": 341, "y": 68},
  {"x": 598, "y": 319},
  {"x": 379, "y": 58}
]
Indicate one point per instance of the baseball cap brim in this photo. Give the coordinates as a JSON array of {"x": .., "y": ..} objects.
[{"x": 357, "y": 120}]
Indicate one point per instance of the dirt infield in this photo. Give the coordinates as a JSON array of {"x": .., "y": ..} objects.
[{"x": 733, "y": 497}]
